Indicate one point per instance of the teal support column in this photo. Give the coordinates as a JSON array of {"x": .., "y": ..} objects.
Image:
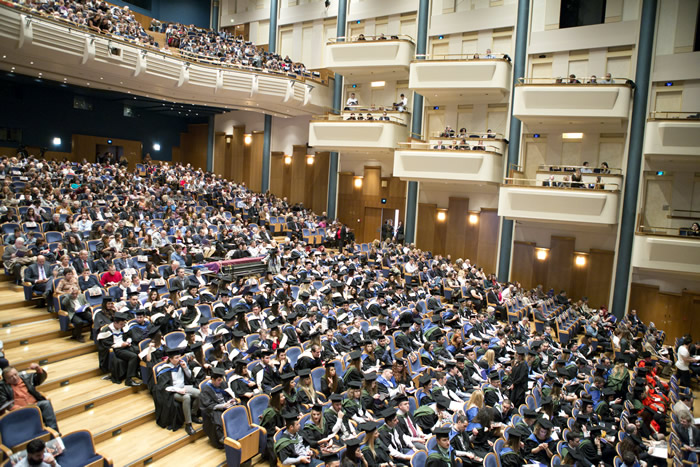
[
  {"x": 417, "y": 122},
  {"x": 215, "y": 12},
  {"x": 506, "y": 245},
  {"x": 645, "y": 48},
  {"x": 332, "y": 203},
  {"x": 210, "y": 145},
  {"x": 267, "y": 134},
  {"x": 274, "y": 14},
  {"x": 265, "y": 184}
]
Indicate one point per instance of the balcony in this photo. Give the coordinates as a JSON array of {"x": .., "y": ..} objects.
[
  {"x": 439, "y": 160},
  {"x": 551, "y": 200},
  {"x": 673, "y": 134},
  {"x": 370, "y": 58},
  {"x": 670, "y": 250},
  {"x": 63, "y": 51},
  {"x": 550, "y": 105},
  {"x": 449, "y": 79},
  {"x": 342, "y": 133}
]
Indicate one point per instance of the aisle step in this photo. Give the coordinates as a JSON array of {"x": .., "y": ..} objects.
[
  {"x": 71, "y": 370},
  {"x": 48, "y": 351},
  {"x": 30, "y": 333},
  {"x": 14, "y": 313},
  {"x": 85, "y": 395},
  {"x": 200, "y": 453},
  {"x": 113, "y": 418},
  {"x": 147, "y": 443}
]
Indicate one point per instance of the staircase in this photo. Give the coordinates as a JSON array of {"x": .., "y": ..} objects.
[{"x": 120, "y": 418}]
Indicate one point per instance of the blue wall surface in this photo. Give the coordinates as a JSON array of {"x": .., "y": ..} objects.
[
  {"x": 45, "y": 110},
  {"x": 179, "y": 11}
]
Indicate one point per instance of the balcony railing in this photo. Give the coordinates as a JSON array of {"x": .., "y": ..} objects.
[
  {"x": 563, "y": 184},
  {"x": 462, "y": 57},
  {"x": 589, "y": 80},
  {"x": 362, "y": 38},
  {"x": 346, "y": 117},
  {"x": 663, "y": 115},
  {"x": 584, "y": 169},
  {"x": 431, "y": 146},
  {"x": 669, "y": 231}
]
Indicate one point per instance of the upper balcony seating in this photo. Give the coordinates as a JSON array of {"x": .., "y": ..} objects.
[
  {"x": 558, "y": 196},
  {"x": 64, "y": 50},
  {"x": 371, "y": 57},
  {"x": 672, "y": 134},
  {"x": 345, "y": 132},
  {"x": 456, "y": 78},
  {"x": 475, "y": 158},
  {"x": 558, "y": 104}
]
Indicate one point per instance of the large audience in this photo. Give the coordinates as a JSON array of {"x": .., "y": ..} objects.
[
  {"x": 416, "y": 352},
  {"x": 194, "y": 43}
]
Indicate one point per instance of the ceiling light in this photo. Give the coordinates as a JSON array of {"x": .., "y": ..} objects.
[
  {"x": 31, "y": 63},
  {"x": 156, "y": 146},
  {"x": 572, "y": 135},
  {"x": 541, "y": 254},
  {"x": 378, "y": 84},
  {"x": 247, "y": 139},
  {"x": 57, "y": 141}
]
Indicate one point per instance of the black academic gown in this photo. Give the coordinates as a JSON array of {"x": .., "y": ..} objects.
[
  {"x": 168, "y": 413},
  {"x": 209, "y": 399},
  {"x": 519, "y": 379}
]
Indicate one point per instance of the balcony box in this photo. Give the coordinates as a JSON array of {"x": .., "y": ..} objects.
[
  {"x": 461, "y": 81},
  {"x": 582, "y": 107},
  {"x": 672, "y": 134},
  {"x": 567, "y": 205},
  {"x": 332, "y": 133},
  {"x": 371, "y": 59},
  {"x": 417, "y": 161},
  {"x": 666, "y": 253}
]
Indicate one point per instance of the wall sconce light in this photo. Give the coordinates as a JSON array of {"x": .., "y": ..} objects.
[
  {"x": 442, "y": 215},
  {"x": 580, "y": 260},
  {"x": 287, "y": 159},
  {"x": 310, "y": 159},
  {"x": 247, "y": 139},
  {"x": 473, "y": 219},
  {"x": 541, "y": 254},
  {"x": 358, "y": 182},
  {"x": 228, "y": 139}
]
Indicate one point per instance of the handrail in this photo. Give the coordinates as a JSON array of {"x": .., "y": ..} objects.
[
  {"x": 663, "y": 115},
  {"x": 533, "y": 182},
  {"x": 465, "y": 57},
  {"x": 461, "y": 148},
  {"x": 176, "y": 54},
  {"x": 583, "y": 80},
  {"x": 565, "y": 168},
  {"x": 684, "y": 232},
  {"x": 373, "y": 108},
  {"x": 342, "y": 118},
  {"x": 467, "y": 134},
  {"x": 689, "y": 211},
  {"x": 363, "y": 38}
]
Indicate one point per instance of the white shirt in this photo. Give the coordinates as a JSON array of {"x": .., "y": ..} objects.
[{"x": 683, "y": 353}]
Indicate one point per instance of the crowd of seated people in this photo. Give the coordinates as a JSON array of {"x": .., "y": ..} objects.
[
  {"x": 351, "y": 337},
  {"x": 193, "y": 42},
  {"x": 352, "y": 103},
  {"x": 450, "y": 132},
  {"x": 575, "y": 179},
  {"x": 593, "y": 79}
]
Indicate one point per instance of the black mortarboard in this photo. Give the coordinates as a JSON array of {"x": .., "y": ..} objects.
[
  {"x": 546, "y": 424},
  {"x": 216, "y": 371},
  {"x": 355, "y": 385},
  {"x": 187, "y": 302},
  {"x": 608, "y": 391},
  {"x": 291, "y": 415},
  {"x": 424, "y": 379},
  {"x": 529, "y": 413},
  {"x": 171, "y": 352},
  {"x": 287, "y": 376},
  {"x": 139, "y": 312},
  {"x": 336, "y": 398},
  {"x": 238, "y": 334},
  {"x": 195, "y": 346},
  {"x": 355, "y": 355},
  {"x": 387, "y": 414},
  {"x": 494, "y": 375},
  {"x": 276, "y": 390},
  {"x": 442, "y": 401},
  {"x": 442, "y": 432},
  {"x": 317, "y": 408},
  {"x": 352, "y": 442},
  {"x": 119, "y": 316},
  {"x": 203, "y": 320},
  {"x": 304, "y": 373},
  {"x": 370, "y": 376},
  {"x": 368, "y": 426}
]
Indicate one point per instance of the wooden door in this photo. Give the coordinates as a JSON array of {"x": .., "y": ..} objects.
[{"x": 372, "y": 224}]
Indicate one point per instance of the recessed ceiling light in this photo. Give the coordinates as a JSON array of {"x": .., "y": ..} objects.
[
  {"x": 31, "y": 63},
  {"x": 121, "y": 82},
  {"x": 4, "y": 56},
  {"x": 88, "y": 84},
  {"x": 101, "y": 77}
]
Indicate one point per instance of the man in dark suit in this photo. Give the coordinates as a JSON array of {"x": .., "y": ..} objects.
[
  {"x": 179, "y": 282},
  {"x": 39, "y": 275},
  {"x": 55, "y": 224},
  {"x": 688, "y": 434},
  {"x": 170, "y": 270},
  {"x": 82, "y": 262},
  {"x": 295, "y": 227}
]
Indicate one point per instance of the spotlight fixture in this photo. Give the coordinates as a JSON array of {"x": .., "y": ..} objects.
[
  {"x": 287, "y": 159},
  {"x": 358, "y": 182},
  {"x": 541, "y": 254},
  {"x": 441, "y": 215},
  {"x": 156, "y": 146},
  {"x": 247, "y": 139}
]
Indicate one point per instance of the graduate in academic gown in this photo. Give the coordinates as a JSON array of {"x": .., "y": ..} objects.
[
  {"x": 214, "y": 400},
  {"x": 374, "y": 451}
]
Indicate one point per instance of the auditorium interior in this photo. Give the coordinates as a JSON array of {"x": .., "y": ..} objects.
[{"x": 518, "y": 152}]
